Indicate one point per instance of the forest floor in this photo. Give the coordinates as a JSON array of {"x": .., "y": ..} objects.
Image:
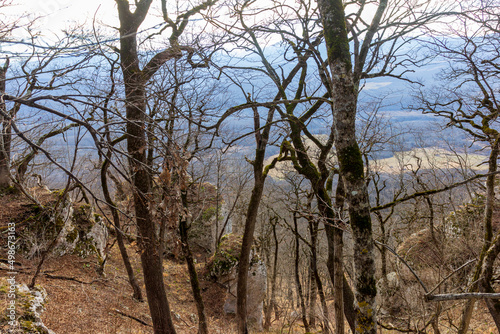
[{"x": 82, "y": 302}]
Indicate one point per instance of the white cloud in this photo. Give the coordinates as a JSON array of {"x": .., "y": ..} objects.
[{"x": 375, "y": 85}]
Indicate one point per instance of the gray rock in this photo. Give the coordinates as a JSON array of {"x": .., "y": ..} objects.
[{"x": 256, "y": 291}]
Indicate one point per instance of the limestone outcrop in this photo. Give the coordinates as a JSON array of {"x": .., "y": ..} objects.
[{"x": 222, "y": 267}]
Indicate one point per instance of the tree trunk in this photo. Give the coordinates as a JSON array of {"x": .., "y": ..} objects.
[
  {"x": 485, "y": 281},
  {"x": 137, "y": 294},
  {"x": 338, "y": 281},
  {"x": 344, "y": 96},
  {"x": 300, "y": 296},
  {"x": 312, "y": 294},
  {"x": 493, "y": 246},
  {"x": 135, "y": 103},
  {"x": 488, "y": 236},
  {"x": 193, "y": 275},
  {"x": 272, "y": 301},
  {"x": 5, "y": 135},
  {"x": 260, "y": 174},
  {"x": 338, "y": 260},
  {"x": 313, "y": 229},
  {"x": 244, "y": 260}
]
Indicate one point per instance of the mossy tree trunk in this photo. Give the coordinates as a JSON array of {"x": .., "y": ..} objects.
[
  {"x": 344, "y": 81},
  {"x": 318, "y": 176},
  {"x": 5, "y": 134}
]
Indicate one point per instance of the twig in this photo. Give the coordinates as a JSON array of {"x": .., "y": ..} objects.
[
  {"x": 430, "y": 192},
  {"x": 453, "y": 272}
]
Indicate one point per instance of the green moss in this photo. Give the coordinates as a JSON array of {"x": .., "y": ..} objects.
[
  {"x": 366, "y": 285},
  {"x": 85, "y": 247},
  {"x": 83, "y": 217},
  {"x": 10, "y": 190},
  {"x": 226, "y": 256},
  {"x": 207, "y": 214},
  {"x": 360, "y": 222},
  {"x": 59, "y": 222},
  {"x": 71, "y": 236},
  {"x": 351, "y": 162},
  {"x": 28, "y": 320},
  {"x": 335, "y": 32},
  {"x": 59, "y": 193}
]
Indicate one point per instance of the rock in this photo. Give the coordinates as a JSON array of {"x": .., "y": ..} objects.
[
  {"x": 83, "y": 233},
  {"x": 256, "y": 292},
  {"x": 79, "y": 230},
  {"x": 223, "y": 268},
  {"x": 29, "y": 304}
]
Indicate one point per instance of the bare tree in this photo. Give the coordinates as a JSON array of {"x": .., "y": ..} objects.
[
  {"x": 135, "y": 80},
  {"x": 470, "y": 103}
]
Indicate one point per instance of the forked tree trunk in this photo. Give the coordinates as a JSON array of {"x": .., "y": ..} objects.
[
  {"x": 135, "y": 101},
  {"x": 344, "y": 96}
]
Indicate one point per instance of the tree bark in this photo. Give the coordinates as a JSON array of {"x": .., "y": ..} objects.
[
  {"x": 193, "y": 275},
  {"x": 244, "y": 260},
  {"x": 312, "y": 294},
  {"x": 137, "y": 294},
  {"x": 260, "y": 174},
  {"x": 488, "y": 236},
  {"x": 300, "y": 296},
  {"x": 272, "y": 301},
  {"x": 344, "y": 96},
  {"x": 135, "y": 96},
  {"x": 493, "y": 246},
  {"x": 338, "y": 260},
  {"x": 313, "y": 228},
  {"x": 5, "y": 135}
]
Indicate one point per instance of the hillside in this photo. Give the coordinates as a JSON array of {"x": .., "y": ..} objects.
[{"x": 80, "y": 301}]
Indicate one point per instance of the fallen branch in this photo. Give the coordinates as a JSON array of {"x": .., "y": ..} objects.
[
  {"x": 65, "y": 278},
  {"x": 133, "y": 318},
  {"x": 459, "y": 296}
]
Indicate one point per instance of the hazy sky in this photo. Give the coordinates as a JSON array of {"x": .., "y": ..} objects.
[{"x": 55, "y": 15}]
